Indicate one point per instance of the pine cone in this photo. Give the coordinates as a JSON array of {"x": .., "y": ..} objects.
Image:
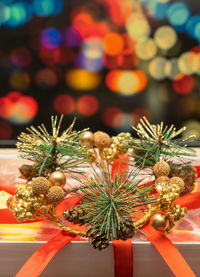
[
  {"x": 73, "y": 215},
  {"x": 126, "y": 232},
  {"x": 188, "y": 175},
  {"x": 97, "y": 239},
  {"x": 27, "y": 171}
]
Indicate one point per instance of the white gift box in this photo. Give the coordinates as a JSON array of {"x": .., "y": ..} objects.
[{"x": 79, "y": 259}]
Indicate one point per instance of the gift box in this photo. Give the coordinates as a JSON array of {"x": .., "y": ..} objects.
[{"x": 19, "y": 241}]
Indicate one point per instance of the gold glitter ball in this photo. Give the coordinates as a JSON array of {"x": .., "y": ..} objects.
[
  {"x": 161, "y": 168},
  {"x": 55, "y": 194},
  {"x": 40, "y": 185},
  {"x": 177, "y": 181},
  {"x": 101, "y": 140}
]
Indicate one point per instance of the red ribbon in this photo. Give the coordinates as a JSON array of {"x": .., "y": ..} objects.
[
  {"x": 169, "y": 252},
  {"x": 123, "y": 251},
  {"x": 123, "y": 258},
  {"x": 40, "y": 259}
]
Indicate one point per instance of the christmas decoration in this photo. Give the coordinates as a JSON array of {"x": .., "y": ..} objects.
[
  {"x": 112, "y": 202},
  {"x": 161, "y": 169},
  {"x": 57, "y": 178},
  {"x": 156, "y": 143},
  {"x": 50, "y": 152}
]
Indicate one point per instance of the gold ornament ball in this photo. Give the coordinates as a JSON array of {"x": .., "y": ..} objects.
[
  {"x": 55, "y": 194},
  {"x": 101, "y": 140},
  {"x": 159, "y": 221},
  {"x": 87, "y": 138},
  {"x": 177, "y": 181},
  {"x": 161, "y": 182},
  {"x": 40, "y": 185},
  {"x": 57, "y": 178},
  {"x": 161, "y": 168}
]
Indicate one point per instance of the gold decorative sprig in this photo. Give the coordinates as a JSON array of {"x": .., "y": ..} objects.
[
  {"x": 51, "y": 151},
  {"x": 158, "y": 142}
]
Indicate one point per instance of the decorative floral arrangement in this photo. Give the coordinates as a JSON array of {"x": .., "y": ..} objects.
[{"x": 115, "y": 201}]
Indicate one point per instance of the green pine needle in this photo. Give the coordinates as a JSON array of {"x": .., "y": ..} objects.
[{"x": 112, "y": 205}]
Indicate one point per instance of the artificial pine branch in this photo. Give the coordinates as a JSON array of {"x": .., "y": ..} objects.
[
  {"x": 52, "y": 151},
  {"x": 158, "y": 142},
  {"x": 111, "y": 205}
]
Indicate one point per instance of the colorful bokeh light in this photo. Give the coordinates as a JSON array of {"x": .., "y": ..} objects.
[
  {"x": 18, "y": 108},
  {"x": 178, "y": 14},
  {"x": 45, "y": 8},
  {"x": 21, "y": 57},
  {"x": 113, "y": 117},
  {"x": 50, "y": 38},
  {"x": 72, "y": 37},
  {"x": 64, "y": 104},
  {"x": 183, "y": 84},
  {"x": 165, "y": 37},
  {"x": 19, "y": 13},
  {"x": 157, "y": 68},
  {"x": 87, "y": 105},
  {"x": 82, "y": 80},
  {"x": 46, "y": 78},
  {"x": 19, "y": 80},
  {"x": 113, "y": 44}
]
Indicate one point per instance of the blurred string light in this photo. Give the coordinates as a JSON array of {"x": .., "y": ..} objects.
[
  {"x": 18, "y": 108},
  {"x": 19, "y": 13},
  {"x": 146, "y": 50},
  {"x": 64, "y": 104},
  {"x": 72, "y": 37},
  {"x": 91, "y": 55},
  {"x": 178, "y": 14},
  {"x": 80, "y": 79},
  {"x": 19, "y": 80},
  {"x": 21, "y": 57},
  {"x": 47, "y": 77},
  {"x": 50, "y": 38},
  {"x": 192, "y": 27},
  {"x": 4, "y": 13},
  {"x": 62, "y": 55},
  {"x": 165, "y": 37},
  {"x": 157, "y": 68},
  {"x": 138, "y": 27},
  {"x": 113, "y": 44},
  {"x": 157, "y": 8},
  {"x": 183, "y": 84},
  {"x": 87, "y": 105},
  {"x": 138, "y": 113},
  {"x": 172, "y": 69},
  {"x": 47, "y": 7},
  {"x": 126, "y": 82},
  {"x": 188, "y": 63},
  {"x": 83, "y": 21},
  {"x": 113, "y": 117}
]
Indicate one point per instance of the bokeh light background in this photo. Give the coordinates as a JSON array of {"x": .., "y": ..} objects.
[{"x": 107, "y": 62}]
